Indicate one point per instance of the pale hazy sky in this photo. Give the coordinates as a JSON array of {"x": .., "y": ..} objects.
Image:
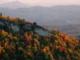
[{"x": 46, "y": 2}]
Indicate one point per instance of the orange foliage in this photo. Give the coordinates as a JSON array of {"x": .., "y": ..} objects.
[
  {"x": 15, "y": 37},
  {"x": 44, "y": 50},
  {"x": 29, "y": 53},
  {"x": 28, "y": 37},
  {"x": 35, "y": 44},
  {"x": 1, "y": 48},
  {"x": 62, "y": 35},
  {"x": 66, "y": 37},
  {"x": 4, "y": 33},
  {"x": 62, "y": 49}
]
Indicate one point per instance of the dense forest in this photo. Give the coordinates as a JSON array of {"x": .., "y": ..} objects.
[{"x": 24, "y": 40}]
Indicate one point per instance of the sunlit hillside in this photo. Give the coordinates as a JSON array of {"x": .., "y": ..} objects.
[{"x": 23, "y": 40}]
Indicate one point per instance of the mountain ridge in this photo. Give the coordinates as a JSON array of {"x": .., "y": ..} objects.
[
  {"x": 14, "y": 5},
  {"x": 57, "y": 15}
]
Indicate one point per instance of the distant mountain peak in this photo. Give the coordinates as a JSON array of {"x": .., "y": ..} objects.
[
  {"x": 14, "y": 5},
  {"x": 16, "y": 1}
]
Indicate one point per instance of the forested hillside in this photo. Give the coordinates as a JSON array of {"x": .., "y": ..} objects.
[{"x": 23, "y": 40}]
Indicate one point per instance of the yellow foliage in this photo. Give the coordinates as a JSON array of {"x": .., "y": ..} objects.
[
  {"x": 70, "y": 50},
  {"x": 57, "y": 47},
  {"x": 62, "y": 35},
  {"x": 47, "y": 48},
  {"x": 20, "y": 48},
  {"x": 56, "y": 41},
  {"x": 4, "y": 33},
  {"x": 51, "y": 57},
  {"x": 15, "y": 37},
  {"x": 4, "y": 17},
  {"x": 28, "y": 37},
  {"x": 6, "y": 43},
  {"x": 36, "y": 41},
  {"x": 9, "y": 18}
]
